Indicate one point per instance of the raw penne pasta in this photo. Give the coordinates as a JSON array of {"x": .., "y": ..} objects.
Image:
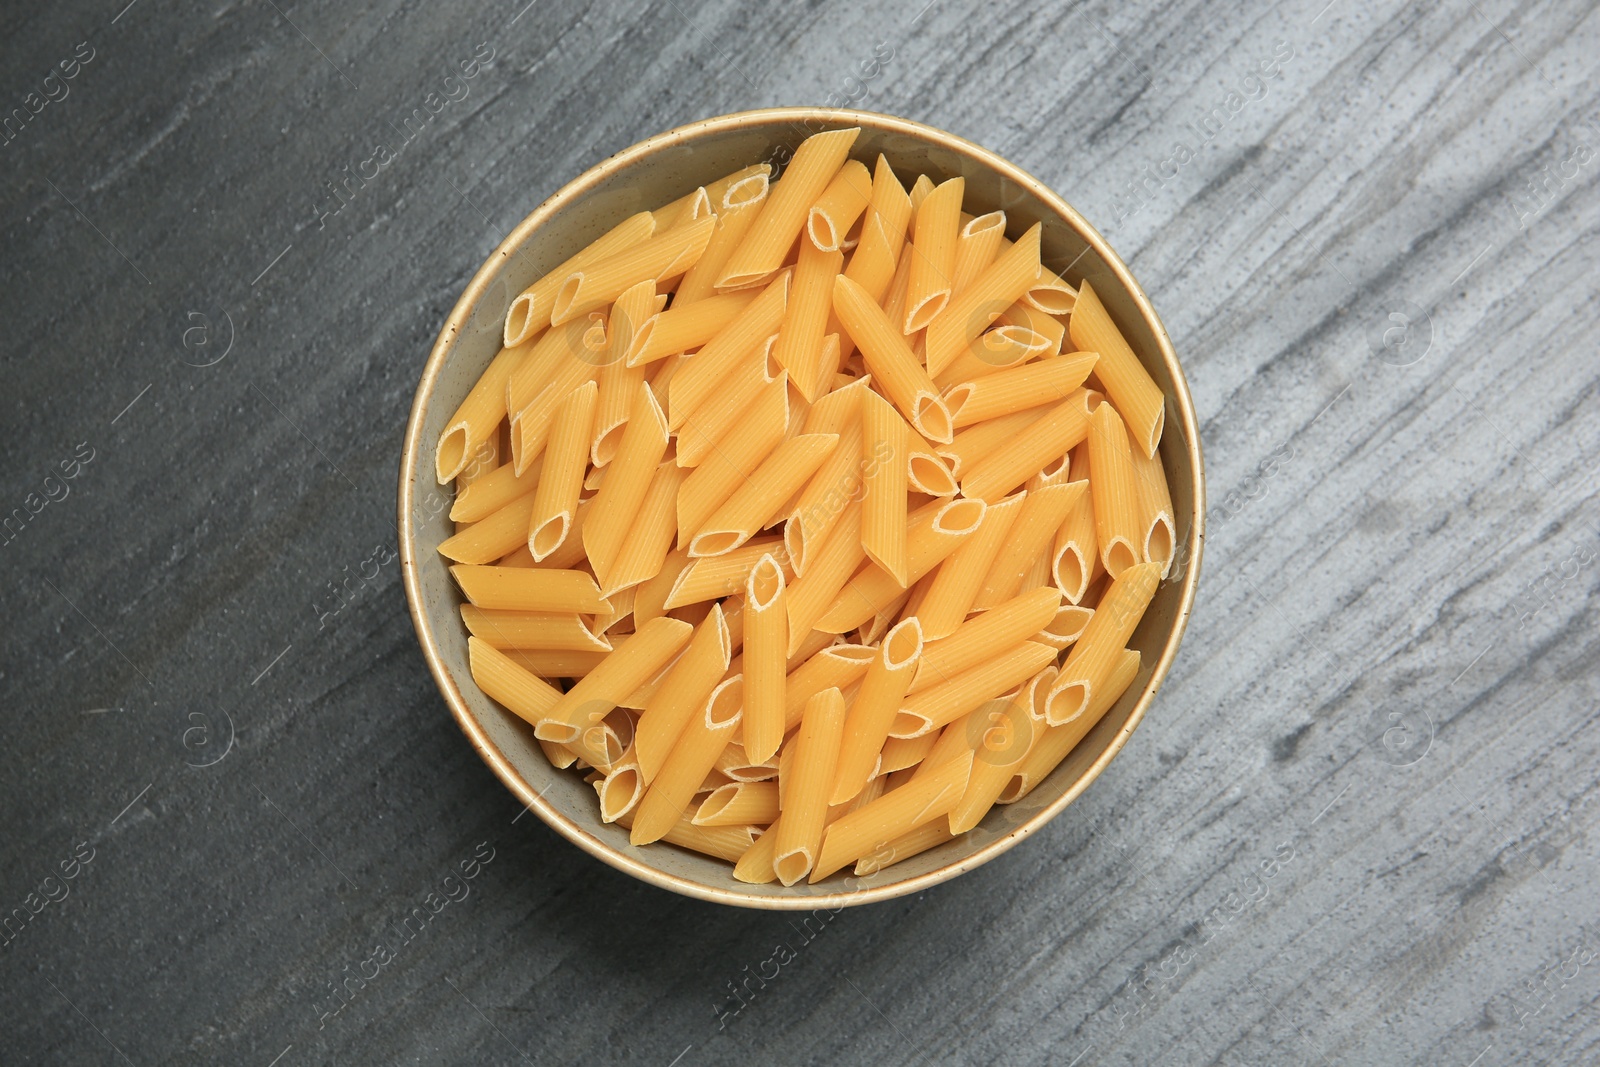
[
  {"x": 799, "y": 347},
  {"x": 628, "y": 478},
  {"x": 766, "y": 641},
  {"x": 533, "y": 629},
  {"x": 683, "y": 692},
  {"x": 492, "y": 536},
  {"x": 505, "y": 680},
  {"x": 883, "y": 510},
  {"x": 872, "y": 712},
  {"x": 806, "y": 785},
  {"x": 977, "y": 243},
  {"x": 939, "y": 704},
  {"x": 667, "y": 798},
  {"x": 705, "y": 371},
  {"x": 1099, "y": 647},
  {"x": 1057, "y": 742},
  {"x": 555, "y": 502},
  {"x": 897, "y": 812},
  {"x": 530, "y": 309},
  {"x": 1032, "y": 535},
  {"x": 892, "y": 364},
  {"x": 1046, "y": 438},
  {"x": 1030, "y": 386},
  {"x": 1155, "y": 510},
  {"x": 1119, "y": 524},
  {"x": 784, "y": 520},
  {"x": 839, "y": 206},
  {"x": 934, "y": 233},
  {"x": 529, "y": 589},
  {"x": 710, "y": 577},
  {"x": 632, "y": 664},
  {"x": 659, "y": 258},
  {"x": 1126, "y": 382},
  {"x": 783, "y": 216},
  {"x": 739, "y": 804},
  {"x": 649, "y": 537},
  {"x": 956, "y": 582},
  {"x": 978, "y": 305},
  {"x": 753, "y": 504}
]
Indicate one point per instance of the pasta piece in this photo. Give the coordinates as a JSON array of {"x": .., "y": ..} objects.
[
  {"x": 1025, "y": 316},
  {"x": 977, "y": 443},
  {"x": 1075, "y": 561},
  {"x": 560, "y": 756},
  {"x": 827, "y": 571},
  {"x": 929, "y": 474},
  {"x": 684, "y": 327},
  {"x": 1119, "y": 526},
  {"x": 758, "y": 431},
  {"x": 897, "y": 812},
  {"x": 939, "y": 704},
  {"x": 894, "y": 367},
  {"x": 839, "y": 206},
  {"x": 683, "y": 692},
  {"x": 809, "y": 782},
  {"x": 996, "y": 289},
  {"x": 686, "y": 208},
  {"x": 1097, "y": 651},
  {"x": 934, "y": 233},
  {"x": 659, "y": 258},
  {"x": 556, "y": 499},
  {"x": 619, "y": 379},
  {"x": 1007, "y": 737},
  {"x": 799, "y": 349},
  {"x": 704, "y": 373},
  {"x": 529, "y": 589},
  {"x": 977, "y": 243},
  {"x": 605, "y": 687},
  {"x": 628, "y": 479},
  {"x": 991, "y": 352},
  {"x": 570, "y": 554},
  {"x": 815, "y": 163},
  {"x": 733, "y": 225},
  {"x": 735, "y": 764},
  {"x": 739, "y": 804},
  {"x": 530, "y": 309},
  {"x": 766, "y": 624},
  {"x": 1057, "y": 742},
  {"x": 667, "y": 797},
  {"x": 835, "y": 667},
  {"x": 883, "y": 234},
  {"x": 903, "y": 753},
  {"x": 1155, "y": 510},
  {"x": 928, "y": 835},
  {"x": 532, "y": 629},
  {"x": 619, "y": 791},
  {"x": 649, "y": 537},
  {"x": 919, "y": 192},
  {"x": 492, "y": 536},
  {"x": 753, "y": 504},
  {"x": 711, "y": 577},
  {"x": 956, "y": 583},
  {"x": 1007, "y": 391},
  {"x": 711, "y": 421},
  {"x": 1065, "y": 629},
  {"x": 650, "y": 602},
  {"x": 873, "y": 711},
  {"x": 1050, "y": 294},
  {"x": 883, "y": 509},
  {"x": 1009, "y": 465},
  {"x": 929, "y": 541},
  {"x": 1129, "y": 385},
  {"x": 554, "y": 663},
  {"x": 574, "y": 365},
  {"x": 479, "y": 415},
  {"x": 1043, "y": 513},
  {"x": 506, "y": 681},
  {"x": 493, "y": 491}
]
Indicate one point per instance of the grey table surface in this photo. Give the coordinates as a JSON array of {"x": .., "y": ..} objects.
[{"x": 1355, "y": 827}]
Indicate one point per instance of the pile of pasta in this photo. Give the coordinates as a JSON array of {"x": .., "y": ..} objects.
[{"x": 784, "y": 518}]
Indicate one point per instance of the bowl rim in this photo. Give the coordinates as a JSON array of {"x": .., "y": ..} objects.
[{"x": 414, "y": 451}]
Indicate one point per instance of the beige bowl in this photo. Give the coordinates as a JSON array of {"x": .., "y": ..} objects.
[{"x": 651, "y": 174}]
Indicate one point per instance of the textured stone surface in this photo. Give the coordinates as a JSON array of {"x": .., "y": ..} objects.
[{"x": 1355, "y": 827}]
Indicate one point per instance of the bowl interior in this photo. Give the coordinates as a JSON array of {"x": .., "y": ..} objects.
[{"x": 649, "y": 176}]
